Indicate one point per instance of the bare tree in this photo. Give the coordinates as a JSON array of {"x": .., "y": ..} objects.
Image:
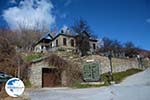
[
  {"x": 116, "y": 48},
  {"x": 80, "y": 26},
  {"x": 11, "y": 36},
  {"x": 148, "y": 54},
  {"x": 7, "y": 57},
  {"x": 130, "y": 49},
  {"x": 113, "y": 46},
  {"x": 107, "y": 44},
  {"x": 82, "y": 40},
  {"x": 29, "y": 36},
  {"x": 25, "y": 36}
]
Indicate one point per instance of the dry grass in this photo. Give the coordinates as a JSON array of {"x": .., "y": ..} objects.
[
  {"x": 5, "y": 96},
  {"x": 2, "y": 92}
]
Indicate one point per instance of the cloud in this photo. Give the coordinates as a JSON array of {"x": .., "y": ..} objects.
[
  {"x": 68, "y": 2},
  {"x": 148, "y": 20},
  {"x": 13, "y": 1},
  {"x": 29, "y": 14},
  {"x": 64, "y": 15}
]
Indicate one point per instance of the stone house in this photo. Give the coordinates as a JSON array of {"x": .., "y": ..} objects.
[{"x": 62, "y": 41}]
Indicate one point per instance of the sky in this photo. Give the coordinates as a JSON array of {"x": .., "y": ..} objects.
[{"x": 124, "y": 20}]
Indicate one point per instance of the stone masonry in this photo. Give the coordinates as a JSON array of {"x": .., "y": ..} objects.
[
  {"x": 36, "y": 74},
  {"x": 118, "y": 66}
]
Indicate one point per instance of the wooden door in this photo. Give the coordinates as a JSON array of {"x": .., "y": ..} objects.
[{"x": 51, "y": 77}]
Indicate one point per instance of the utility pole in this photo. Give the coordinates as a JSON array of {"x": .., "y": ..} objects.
[
  {"x": 18, "y": 67},
  {"x": 111, "y": 69}
]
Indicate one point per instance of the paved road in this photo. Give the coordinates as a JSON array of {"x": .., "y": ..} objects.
[{"x": 127, "y": 90}]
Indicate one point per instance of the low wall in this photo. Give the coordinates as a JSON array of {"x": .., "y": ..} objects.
[{"x": 118, "y": 64}]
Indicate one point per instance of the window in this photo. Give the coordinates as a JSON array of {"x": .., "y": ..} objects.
[
  {"x": 56, "y": 43},
  {"x": 94, "y": 47},
  {"x": 50, "y": 45},
  {"x": 72, "y": 42},
  {"x": 64, "y": 41}
]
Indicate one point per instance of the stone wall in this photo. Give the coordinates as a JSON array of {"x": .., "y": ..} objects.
[
  {"x": 35, "y": 76},
  {"x": 118, "y": 64}
]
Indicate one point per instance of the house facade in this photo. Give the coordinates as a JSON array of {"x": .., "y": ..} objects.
[{"x": 62, "y": 41}]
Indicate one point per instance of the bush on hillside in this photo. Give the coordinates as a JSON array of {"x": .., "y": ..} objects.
[
  {"x": 10, "y": 60},
  {"x": 72, "y": 70}
]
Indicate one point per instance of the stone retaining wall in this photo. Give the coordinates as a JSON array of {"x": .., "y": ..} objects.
[{"x": 118, "y": 64}]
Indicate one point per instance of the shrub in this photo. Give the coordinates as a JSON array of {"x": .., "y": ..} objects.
[
  {"x": 72, "y": 70},
  {"x": 3, "y": 94},
  {"x": 27, "y": 84},
  {"x": 8, "y": 57}
]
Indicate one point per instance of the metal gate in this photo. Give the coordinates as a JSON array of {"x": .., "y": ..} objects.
[{"x": 91, "y": 71}]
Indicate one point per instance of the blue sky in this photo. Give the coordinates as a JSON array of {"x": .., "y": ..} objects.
[{"x": 125, "y": 20}]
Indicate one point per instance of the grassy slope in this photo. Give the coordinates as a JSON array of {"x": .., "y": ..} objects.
[
  {"x": 33, "y": 56},
  {"x": 118, "y": 77}
]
